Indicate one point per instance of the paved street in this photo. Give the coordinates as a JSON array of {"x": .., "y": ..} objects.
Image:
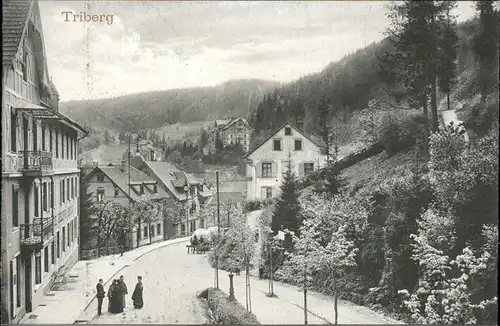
[{"x": 171, "y": 279}]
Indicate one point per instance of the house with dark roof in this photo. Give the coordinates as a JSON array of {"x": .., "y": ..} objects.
[
  {"x": 117, "y": 183},
  {"x": 40, "y": 173},
  {"x": 267, "y": 162},
  {"x": 230, "y": 132},
  {"x": 191, "y": 193}
]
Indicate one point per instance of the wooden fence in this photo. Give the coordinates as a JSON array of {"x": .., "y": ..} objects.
[{"x": 93, "y": 253}]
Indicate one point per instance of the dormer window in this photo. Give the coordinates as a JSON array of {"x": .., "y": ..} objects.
[
  {"x": 100, "y": 178},
  {"x": 141, "y": 190},
  {"x": 288, "y": 131},
  {"x": 24, "y": 65},
  {"x": 155, "y": 189}
]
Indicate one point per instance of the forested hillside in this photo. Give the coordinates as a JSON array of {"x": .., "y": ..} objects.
[{"x": 153, "y": 110}]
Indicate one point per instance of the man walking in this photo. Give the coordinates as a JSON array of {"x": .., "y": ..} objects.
[
  {"x": 100, "y": 296},
  {"x": 123, "y": 288}
]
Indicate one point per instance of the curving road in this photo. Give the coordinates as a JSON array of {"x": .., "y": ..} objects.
[{"x": 171, "y": 280}]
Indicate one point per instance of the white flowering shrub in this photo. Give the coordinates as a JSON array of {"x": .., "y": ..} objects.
[
  {"x": 326, "y": 244},
  {"x": 443, "y": 294}
]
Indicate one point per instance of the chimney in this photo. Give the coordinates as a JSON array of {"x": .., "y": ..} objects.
[
  {"x": 123, "y": 166},
  {"x": 95, "y": 164}
]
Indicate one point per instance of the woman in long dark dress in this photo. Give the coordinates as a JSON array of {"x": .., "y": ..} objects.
[
  {"x": 137, "y": 295},
  {"x": 110, "y": 294},
  {"x": 117, "y": 299}
]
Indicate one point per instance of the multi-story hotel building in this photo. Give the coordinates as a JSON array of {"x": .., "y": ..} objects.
[{"x": 40, "y": 176}]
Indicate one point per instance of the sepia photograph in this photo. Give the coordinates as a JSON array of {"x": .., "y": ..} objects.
[{"x": 250, "y": 162}]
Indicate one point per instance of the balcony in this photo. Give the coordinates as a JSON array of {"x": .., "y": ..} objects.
[
  {"x": 36, "y": 234},
  {"x": 35, "y": 162}
]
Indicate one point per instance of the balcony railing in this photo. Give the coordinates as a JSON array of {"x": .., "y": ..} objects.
[
  {"x": 36, "y": 161},
  {"x": 34, "y": 235}
]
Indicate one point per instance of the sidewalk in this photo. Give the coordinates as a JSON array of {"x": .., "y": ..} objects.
[
  {"x": 73, "y": 301},
  {"x": 287, "y": 308}
]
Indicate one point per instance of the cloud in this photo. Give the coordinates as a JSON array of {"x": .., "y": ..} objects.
[{"x": 155, "y": 45}]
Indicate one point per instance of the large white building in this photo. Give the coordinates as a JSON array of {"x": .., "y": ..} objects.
[
  {"x": 40, "y": 175},
  {"x": 266, "y": 164}
]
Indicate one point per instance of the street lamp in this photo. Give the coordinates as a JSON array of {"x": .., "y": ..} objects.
[
  {"x": 186, "y": 189},
  {"x": 128, "y": 165}
]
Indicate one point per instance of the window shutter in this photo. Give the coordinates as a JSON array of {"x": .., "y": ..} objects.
[
  {"x": 274, "y": 169},
  {"x": 301, "y": 169},
  {"x": 258, "y": 166},
  {"x": 273, "y": 192},
  {"x": 262, "y": 192}
]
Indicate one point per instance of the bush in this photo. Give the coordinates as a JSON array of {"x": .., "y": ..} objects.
[
  {"x": 398, "y": 134},
  {"x": 253, "y": 205},
  {"x": 227, "y": 311}
]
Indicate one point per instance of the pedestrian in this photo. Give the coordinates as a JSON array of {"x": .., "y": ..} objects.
[
  {"x": 137, "y": 295},
  {"x": 100, "y": 296},
  {"x": 111, "y": 290},
  {"x": 123, "y": 288},
  {"x": 116, "y": 298},
  {"x": 261, "y": 272}
]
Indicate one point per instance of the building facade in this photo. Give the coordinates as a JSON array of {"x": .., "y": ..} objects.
[
  {"x": 266, "y": 164},
  {"x": 230, "y": 132},
  {"x": 110, "y": 183},
  {"x": 40, "y": 176},
  {"x": 189, "y": 193}
]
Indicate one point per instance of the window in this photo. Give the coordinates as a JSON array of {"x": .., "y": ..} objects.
[
  {"x": 44, "y": 197},
  {"x": 58, "y": 244},
  {"x": 192, "y": 191},
  {"x": 62, "y": 191},
  {"x": 100, "y": 194},
  {"x": 67, "y": 189},
  {"x": 182, "y": 212},
  {"x": 72, "y": 188},
  {"x": 67, "y": 147},
  {"x": 63, "y": 245},
  {"x": 288, "y": 131},
  {"x": 202, "y": 223},
  {"x": 36, "y": 200},
  {"x": 57, "y": 144},
  {"x": 193, "y": 207},
  {"x": 141, "y": 191},
  {"x": 51, "y": 191},
  {"x": 71, "y": 148},
  {"x": 267, "y": 170},
  {"x": 13, "y": 131},
  {"x": 46, "y": 259},
  {"x": 155, "y": 189},
  {"x": 308, "y": 168},
  {"x": 68, "y": 228},
  {"x": 298, "y": 144},
  {"x": 183, "y": 229},
  {"x": 145, "y": 232},
  {"x": 43, "y": 138},
  {"x": 15, "y": 207},
  {"x": 24, "y": 65},
  {"x": 52, "y": 253},
  {"x": 192, "y": 226},
  {"x": 62, "y": 145},
  {"x": 277, "y": 145},
  {"x": 50, "y": 140},
  {"x": 38, "y": 269},
  {"x": 11, "y": 268},
  {"x": 117, "y": 191},
  {"x": 158, "y": 229},
  {"x": 35, "y": 136},
  {"x": 18, "y": 281},
  {"x": 268, "y": 192}
]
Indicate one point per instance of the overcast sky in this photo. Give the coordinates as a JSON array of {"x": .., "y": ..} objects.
[{"x": 156, "y": 45}]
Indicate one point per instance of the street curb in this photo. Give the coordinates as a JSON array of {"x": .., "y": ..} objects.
[{"x": 123, "y": 267}]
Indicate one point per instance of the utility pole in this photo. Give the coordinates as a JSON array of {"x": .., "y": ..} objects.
[
  {"x": 218, "y": 233},
  {"x": 305, "y": 293}
]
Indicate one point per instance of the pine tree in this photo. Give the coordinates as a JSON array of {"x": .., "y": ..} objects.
[
  {"x": 447, "y": 57},
  {"x": 287, "y": 210},
  {"x": 324, "y": 130},
  {"x": 486, "y": 47}
]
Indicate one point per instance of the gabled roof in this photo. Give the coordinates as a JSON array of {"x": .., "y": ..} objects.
[
  {"x": 166, "y": 172},
  {"x": 230, "y": 123},
  {"x": 15, "y": 14},
  {"x": 221, "y": 122},
  {"x": 120, "y": 180},
  {"x": 275, "y": 132}
]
